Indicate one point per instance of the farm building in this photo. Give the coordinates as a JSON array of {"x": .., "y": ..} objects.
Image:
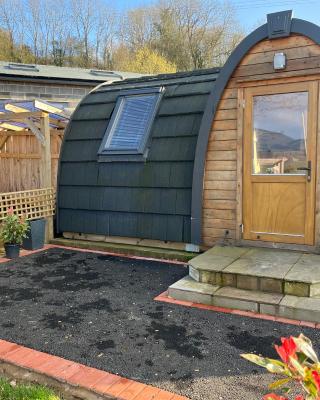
[
  {"x": 63, "y": 84},
  {"x": 221, "y": 155}
]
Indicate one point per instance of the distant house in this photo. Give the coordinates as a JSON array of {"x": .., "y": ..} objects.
[
  {"x": 63, "y": 84},
  {"x": 219, "y": 155}
]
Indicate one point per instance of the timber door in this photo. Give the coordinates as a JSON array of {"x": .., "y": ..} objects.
[{"x": 279, "y": 156}]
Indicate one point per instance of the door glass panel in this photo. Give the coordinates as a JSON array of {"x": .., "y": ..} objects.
[{"x": 280, "y": 133}]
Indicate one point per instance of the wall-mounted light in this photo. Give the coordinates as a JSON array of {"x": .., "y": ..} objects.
[{"x": 279, "y": 61}]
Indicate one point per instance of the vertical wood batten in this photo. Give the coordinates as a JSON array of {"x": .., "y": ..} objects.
[
  {"x": 240, "y": 114},
  {"x": 45, "y": 167}
]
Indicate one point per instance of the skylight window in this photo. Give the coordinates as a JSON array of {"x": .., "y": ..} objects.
[
  {"x": 131, "y": 122},
  {"x": 23, "y": 67}
]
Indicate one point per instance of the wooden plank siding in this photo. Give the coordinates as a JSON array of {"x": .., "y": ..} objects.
[{"x": 223, "y": 172}]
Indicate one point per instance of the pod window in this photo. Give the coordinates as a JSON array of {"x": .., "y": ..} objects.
[{"x": 129, "y": 129}]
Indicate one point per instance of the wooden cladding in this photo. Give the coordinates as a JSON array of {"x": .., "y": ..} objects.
[
  {"x": 32, "y": 204},
  {"x": 222, "y": 199}
]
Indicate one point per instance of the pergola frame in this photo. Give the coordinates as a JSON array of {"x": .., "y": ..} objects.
[{"x": 40, "y": 124}]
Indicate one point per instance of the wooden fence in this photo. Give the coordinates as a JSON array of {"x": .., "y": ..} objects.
[{"x": 20, "y": 161}]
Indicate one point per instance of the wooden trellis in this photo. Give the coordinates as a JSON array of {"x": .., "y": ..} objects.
[{"x": 32, "y": 204}]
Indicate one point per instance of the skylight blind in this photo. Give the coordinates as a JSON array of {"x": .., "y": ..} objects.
[{"x": 132, "y": 122}]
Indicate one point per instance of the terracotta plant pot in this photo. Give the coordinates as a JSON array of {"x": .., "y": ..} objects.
[{"x": 12, "y": 250}]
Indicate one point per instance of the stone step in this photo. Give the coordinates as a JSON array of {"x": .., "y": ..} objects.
[
  {"x": 188, "y": 289},
  {"x": 286, "y": 306},
  {"x": 267, "y": 270}
]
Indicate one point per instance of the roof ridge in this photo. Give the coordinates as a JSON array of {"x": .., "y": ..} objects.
[{"x": 160, "y": 77}]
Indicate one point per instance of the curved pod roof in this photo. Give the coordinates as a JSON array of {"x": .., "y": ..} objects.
[{"x": 150, "y": 198}]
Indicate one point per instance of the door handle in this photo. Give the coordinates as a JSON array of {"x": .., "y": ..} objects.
[{"x": 308, "y": 168}]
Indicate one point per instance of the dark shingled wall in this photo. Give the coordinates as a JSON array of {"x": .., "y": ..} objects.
[{"x": 150, "y": 199}]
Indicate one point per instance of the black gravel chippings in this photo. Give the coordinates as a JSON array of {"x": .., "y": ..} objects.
[{"x": 99, "y": 310}]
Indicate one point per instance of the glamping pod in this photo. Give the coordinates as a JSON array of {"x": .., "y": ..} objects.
[
  {"x": 206, "y": 156},
  {"x": 126, "y": 165}
]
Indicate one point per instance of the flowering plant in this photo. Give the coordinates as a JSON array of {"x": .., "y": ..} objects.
[
  {"x": 299, "y": 364},
  {"x": 13, "y": 228}
]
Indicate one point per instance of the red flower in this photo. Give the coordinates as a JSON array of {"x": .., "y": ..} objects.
[
  {"x": 273, "y": 396},
  {"x": 299, "y": 397},
  {"x": 316, "y": 378},
  {"x": 10, "y": 211},
  {"x": 287, "y": 350}
]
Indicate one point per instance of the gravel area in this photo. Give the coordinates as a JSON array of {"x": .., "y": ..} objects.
[{"x": 99, "y": 310}]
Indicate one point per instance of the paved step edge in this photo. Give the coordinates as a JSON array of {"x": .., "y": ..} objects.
[
  {"x": 226, "y": 297},
  {"x": 188, "y": 289},
  {"x": 252, "y": 282},
  {"x": 287, "y": 306}
]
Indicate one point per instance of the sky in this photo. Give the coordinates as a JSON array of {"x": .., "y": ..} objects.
[{"x": 252, "y": 13}]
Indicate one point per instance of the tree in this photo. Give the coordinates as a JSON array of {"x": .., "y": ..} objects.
[
  {"x": 106, "y": 32},
  {"x": 196, "y": 33},
  {"x": 9, "y": 23},
  {"x": 84, "y": 19},
  {"x": 169, "y": 38},
  {"x": 10, "y": 52},
  {"x": 59, "y": 31},
  {"x": 173, "y": 34},
  {"x": 147, "y": 61},
  {"x": 137, "y": 27}
]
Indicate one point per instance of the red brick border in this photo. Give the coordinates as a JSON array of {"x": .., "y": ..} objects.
[
  {"x": 165, "y": 298},
  {"x": 76, "y": 374},
  {"x": 24, "y": 253}
]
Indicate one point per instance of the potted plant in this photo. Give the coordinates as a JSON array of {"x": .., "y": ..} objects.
[{"x": 13, "y": 230}]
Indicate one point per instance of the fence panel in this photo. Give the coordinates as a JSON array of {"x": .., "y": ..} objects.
[{"x": 20, "y": 160}]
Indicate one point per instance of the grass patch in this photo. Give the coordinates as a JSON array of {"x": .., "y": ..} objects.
[{"x": 9, "y": 391}]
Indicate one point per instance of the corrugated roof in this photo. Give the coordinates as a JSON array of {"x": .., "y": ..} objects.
[{"x": 10, "y": 69}]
